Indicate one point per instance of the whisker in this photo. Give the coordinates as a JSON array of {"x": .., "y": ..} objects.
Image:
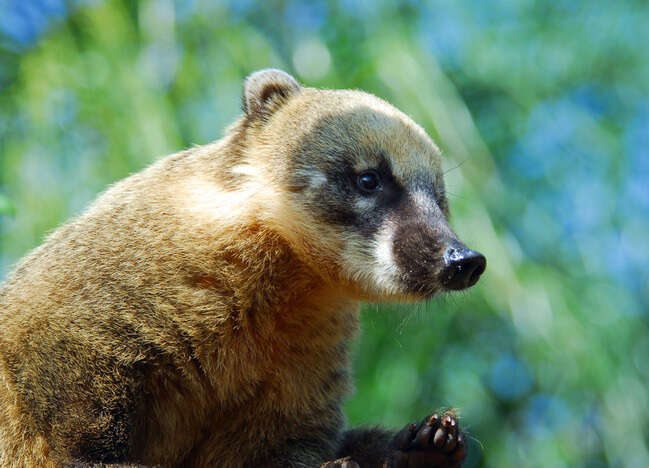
[
  {"x": 456, "y": 167},
  {"x": 455, "y": 195},
  {"x": 475, "y": 439},
  {"x": 404, "y": 321}
]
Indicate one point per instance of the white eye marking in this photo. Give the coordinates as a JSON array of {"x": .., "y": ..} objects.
[
  {"x": 363, "y": 204},
  {"x": 423, "y": 201},
  {"x": 317, "y": 180}
]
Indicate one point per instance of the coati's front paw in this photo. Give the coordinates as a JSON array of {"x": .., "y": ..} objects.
[
  {"x": 346, "y": 462},
  {"x": 436, "y": 442}
]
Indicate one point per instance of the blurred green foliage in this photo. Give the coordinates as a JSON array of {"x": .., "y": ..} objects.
[{"x": 541, "y": 109}]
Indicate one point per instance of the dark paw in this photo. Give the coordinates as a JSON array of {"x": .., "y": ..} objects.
[
  {"x": 436, "y": 442},
  {"x": 346, "y": 462}
]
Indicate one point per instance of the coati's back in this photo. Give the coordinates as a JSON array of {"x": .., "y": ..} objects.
[{"x": 90, "y": 302}]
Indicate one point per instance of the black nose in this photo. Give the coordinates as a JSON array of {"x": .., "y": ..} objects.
[{"x": 463, "y": 267}]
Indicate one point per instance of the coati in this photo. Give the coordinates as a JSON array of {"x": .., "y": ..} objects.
[{"x": 199, "y": 313}]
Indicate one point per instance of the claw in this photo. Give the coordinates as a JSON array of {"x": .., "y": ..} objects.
[
  {"x": 448, "y": 421},
  {"x": 439, "y": 438},
  {"x": 433, "y": 419},
  {"x": 450, "y": 444},
  {"x": 435, "y": 441}
]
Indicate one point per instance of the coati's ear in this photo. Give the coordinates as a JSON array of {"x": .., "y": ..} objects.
[{"x": 265, "y": 90}]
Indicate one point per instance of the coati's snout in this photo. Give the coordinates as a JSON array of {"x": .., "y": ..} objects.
[{"x": 430, "y": 258}]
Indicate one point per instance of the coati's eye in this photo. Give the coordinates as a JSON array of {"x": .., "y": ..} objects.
[{"x": 369, "y": 181}]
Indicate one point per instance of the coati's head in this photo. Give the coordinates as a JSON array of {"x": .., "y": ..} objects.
[{"x": 359, "y": 189}]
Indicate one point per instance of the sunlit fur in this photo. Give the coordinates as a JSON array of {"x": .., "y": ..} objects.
[{"x": 198, "y": 313}]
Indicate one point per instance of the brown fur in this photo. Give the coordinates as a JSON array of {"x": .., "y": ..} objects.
[{"x": 197, "y": 314}]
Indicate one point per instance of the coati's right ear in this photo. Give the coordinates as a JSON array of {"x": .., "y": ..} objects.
[{"x": 265, "y": 90}]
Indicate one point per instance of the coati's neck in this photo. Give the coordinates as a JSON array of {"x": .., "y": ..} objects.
[
  {"x": 272, "y": 283},
  {"x": 275, "y": 307}
]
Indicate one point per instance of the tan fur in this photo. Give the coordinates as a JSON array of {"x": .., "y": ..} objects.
[{"x": 197, "y": 309}]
